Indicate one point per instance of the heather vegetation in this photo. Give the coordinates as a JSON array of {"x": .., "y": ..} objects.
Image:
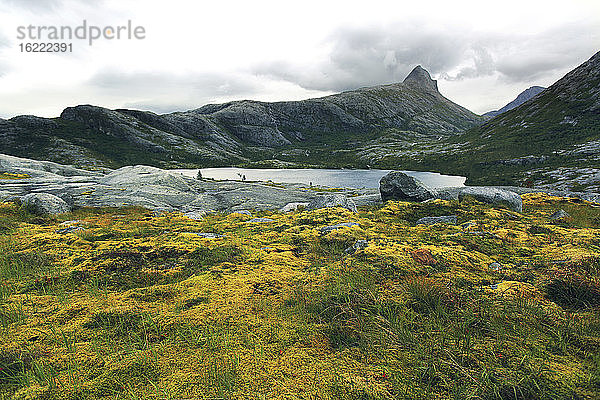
[{"x": 127, "y": 304}]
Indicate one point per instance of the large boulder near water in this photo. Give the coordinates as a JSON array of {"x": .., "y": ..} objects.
[
  {"x": 493, "y": 196},
  {"x": 399, "y": 186},
  {"x": 44, "y": 204},
  {"x": 331, "y": 200}
]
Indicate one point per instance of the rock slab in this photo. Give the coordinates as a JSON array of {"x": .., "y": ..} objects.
[
  {"x": 331, "y": 200},
  {"x": 493, "y": 196}
]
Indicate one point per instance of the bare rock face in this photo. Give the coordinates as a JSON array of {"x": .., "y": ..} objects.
[
  {"x": 419, "y": 77},
  {"x": 399, "y": 186},
  {"x": 493, "y": 196},
  {"x": 331, "y": 200},
  {"x": 44, "y": 204}
]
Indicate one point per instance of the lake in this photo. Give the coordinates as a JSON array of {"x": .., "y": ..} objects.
[{"x": 338, "y": 178}]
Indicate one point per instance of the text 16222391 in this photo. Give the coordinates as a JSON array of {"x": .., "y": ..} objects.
[{"x": 46, "y": 47}]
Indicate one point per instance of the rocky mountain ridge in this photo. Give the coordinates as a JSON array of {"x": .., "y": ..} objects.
[
  {"x": 237, "y": 131},
  {"x": 549, "y": 141}
]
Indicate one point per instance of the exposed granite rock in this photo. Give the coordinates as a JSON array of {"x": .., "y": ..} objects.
[
  {"x": 399, "y": 186},
  {"x": 207, "y": 235},
  {"x": 358, "y": 245},
  {"x": 259, "y": 220},
  {"x": 495, "y": 266},
  {"x": 493, "y": 196},
  {"x": 560, "y": 214},
  {"x": 331, "y": 200},
  {"x": 446, "y": 219},
  {"x": 292, "y": 207}
]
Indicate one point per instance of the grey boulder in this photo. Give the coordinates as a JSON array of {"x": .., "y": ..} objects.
[
  {"x": 493, "y": 196},
  {"x": 446, "y": 219},
  {"x": 45, "y": 204},
  {"x": 331, "y": 200},
  {"x": 289, "y": 207},
  {"x": 259, "y": 220},
  {"x": 560, "y": 214},
  {"x": 397, "y": 185},
  {"x": 358, "y": 245}
]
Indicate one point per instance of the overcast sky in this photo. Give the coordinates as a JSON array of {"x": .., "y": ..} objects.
[{"x": 198, "y": 52}]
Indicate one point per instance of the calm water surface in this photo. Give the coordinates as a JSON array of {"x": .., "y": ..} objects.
[{"x": 339, "y": 178}]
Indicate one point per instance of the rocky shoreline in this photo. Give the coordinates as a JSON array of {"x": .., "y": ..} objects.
[{"x": 163, "y": 190}]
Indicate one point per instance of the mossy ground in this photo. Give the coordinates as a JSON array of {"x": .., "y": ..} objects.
[{"x": 137, "y": 306}]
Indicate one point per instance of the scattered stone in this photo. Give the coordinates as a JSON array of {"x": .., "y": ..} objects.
[
  {"x": 195, "y": 215},
  {"x": 44, "y": 204},
  {"x": 289, "y": 207},
  {"x": 468, "y": 224},
  {"x": 493, "y": 196},
  {"x": 159, "y": 212},
  {"x": 207, "y": 235},
  {"x": 358, "y": 245},
  {"x": 259, "y": 220},
  {"x": 331, "y": 200},
  {"x": 445, "y": 219},
  {"x": 560, "y": 214},
  {"x": 330, "y": 228},
  {"x": 69, "y": 229},
  {"x": 495, "y": 266},
  {"x": 399, "y": 186},
  {"x": 71, "y": 222}
]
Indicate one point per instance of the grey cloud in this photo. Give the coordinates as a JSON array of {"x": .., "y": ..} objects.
[
  {"x": 164, "y": 92},
  {"x": 144, "y": 82},
  {"x": 35, "y": 5},
  {"x": 377, "y": 55},
  {"x": 372, "y": 55},
  {"x": 559, "y": 49}
]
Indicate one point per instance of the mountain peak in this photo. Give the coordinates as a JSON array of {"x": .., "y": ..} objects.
[{"x": 420, "y": 77}]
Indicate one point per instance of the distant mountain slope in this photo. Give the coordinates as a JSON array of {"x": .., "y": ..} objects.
[
  {"x": 568, "y": 112},
  {"x": 552, "y": 138},
  {"x": 524, "y": 96},
  {"x": 239, "y": 131}
]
